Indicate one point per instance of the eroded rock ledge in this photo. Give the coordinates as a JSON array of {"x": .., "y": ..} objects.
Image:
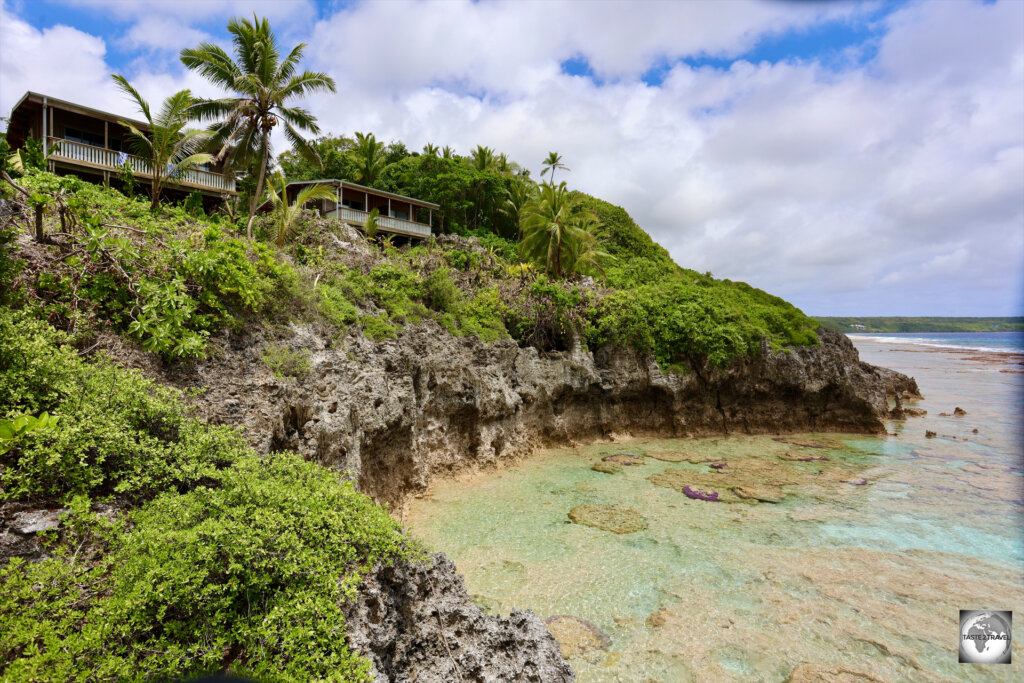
[{"x": 400, "y": 412}]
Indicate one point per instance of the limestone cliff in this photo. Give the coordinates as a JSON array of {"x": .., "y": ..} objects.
[{"x": 398, "y": 413}]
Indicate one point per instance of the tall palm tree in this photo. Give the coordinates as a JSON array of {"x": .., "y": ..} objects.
[
  {"x": 285, "y": 214},
  {"x": 548, "y": 226},
  {"x": 168, "y": 147},
  {"x": 482, "y": 158},
  {"x": 430, "y": 149},
  {"x": 553, "y": 161},
  {"x": 371, "y": 158},
  {"x": 261, "y": 84},
  {"x": 517, "y": 194},
  {"x": 447, "y": 152},
  {"x": 586, "y": 254}
]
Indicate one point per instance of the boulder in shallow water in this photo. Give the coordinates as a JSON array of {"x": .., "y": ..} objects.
[
  {"x": 577, "y": 636},
  {"x": 810, "y": 443},
  {"x": 697, "y": 493},
  {"x": 625, "y": 459},
  {"x": 915, "y": 412},
  {"x": 801, "y": 457},
  {"x": 959, "y": 412},
  {"x": 618, "y": 520},
  {"x": 681, "y": 456},
  {"x": 760, "y": 494},
  {"x": 929, "y": 434},
  {"x": 607, "y": 467}
]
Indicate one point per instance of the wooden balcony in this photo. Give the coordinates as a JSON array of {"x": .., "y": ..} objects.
[
  {"x": 385, "y": 223},
  {"x": 80, "y": 154}
]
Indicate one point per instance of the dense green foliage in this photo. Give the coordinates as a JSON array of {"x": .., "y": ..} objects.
[
  {"x": 250, "y": 574},
  {"x": 924, "y": 324},
  {"x": 231, "y": 560},
  {"x": 117, "y": 433},
  {"x": 680, "y": 321},
  {"x": 169, "y": 279}
]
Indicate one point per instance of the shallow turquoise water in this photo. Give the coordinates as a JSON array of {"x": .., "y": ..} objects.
[{"x": 864, "y": 577}]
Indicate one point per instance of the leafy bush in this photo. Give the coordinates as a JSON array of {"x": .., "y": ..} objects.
[
  {"x": 284, "y": 362},
  {"x": 118, "y": 433},
  {"x": 378, "y": 327},
  {"x": 250, "y": 575},
  {"x": 167, "y": 279},
  {"x": 439, "y": 290}
]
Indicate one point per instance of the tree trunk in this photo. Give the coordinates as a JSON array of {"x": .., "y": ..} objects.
[
  {"x": 259, "y": 190},
  {"x": 39, "y": 224},
  {"x": 155, "y": 191}
]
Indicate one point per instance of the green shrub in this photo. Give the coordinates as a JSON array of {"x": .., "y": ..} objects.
[
  {"x": 377, "y": 327},
  {"x": 284, "y": 362},
  {"x": 250, "y": 575},
  {"x": 117, "y": 434},
  {"x": 439, "y": 290},
  {"x": 335, "y": 307}
]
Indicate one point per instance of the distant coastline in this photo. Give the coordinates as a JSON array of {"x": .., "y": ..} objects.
[{"x": 922, "y": 324}]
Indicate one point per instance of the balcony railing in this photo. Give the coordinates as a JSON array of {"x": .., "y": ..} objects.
[
  {"x": 111, "y": 159},
  {"x": 385, "y": 222}
]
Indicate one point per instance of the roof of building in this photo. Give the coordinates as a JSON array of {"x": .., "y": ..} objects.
[
  {"x": 370, "y": 190},
  {"x": 37, "y": 98}
]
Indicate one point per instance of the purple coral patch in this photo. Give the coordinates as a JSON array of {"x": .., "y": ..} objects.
[{"x": 697, "y": 494}]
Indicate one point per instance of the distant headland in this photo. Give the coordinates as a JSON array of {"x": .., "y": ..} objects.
[{"x": 923, "y": 324}]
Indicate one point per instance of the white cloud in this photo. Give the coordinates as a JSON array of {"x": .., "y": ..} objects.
[{"x": 896, "y": 186}]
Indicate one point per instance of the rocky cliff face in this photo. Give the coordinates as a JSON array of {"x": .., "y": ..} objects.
[
  {"x": 415, "y": 623},
  {"x": 400, "y": 412}
]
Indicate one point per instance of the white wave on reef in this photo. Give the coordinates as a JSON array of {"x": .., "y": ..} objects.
[{"x": 933, "y": 343}]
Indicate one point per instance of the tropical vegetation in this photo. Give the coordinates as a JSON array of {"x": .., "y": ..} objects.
[
  {"x": 180, "y": 550},
  {"x": 168, "y": 146},
  {"x": 262, "y": 84}
]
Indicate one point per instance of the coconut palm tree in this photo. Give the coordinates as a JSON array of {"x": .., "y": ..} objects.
[
  {"x": 482, "y": 158},
  {"x": 371, "y": 158},
  {"x": 430, "y": 149},
  {"x": 553, "y": 161},
  {"x": 548, "y": 226},
  {"x": 169, "y": 147},
  {"x": 585, "y": 254},
  {"x": 261, "y": 84},
  {"x": 285, "y": 214}
]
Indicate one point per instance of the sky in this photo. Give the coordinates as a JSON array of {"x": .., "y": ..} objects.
[{"x": 853, "y": 158}]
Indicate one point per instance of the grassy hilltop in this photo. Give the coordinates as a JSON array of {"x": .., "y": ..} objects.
[{"x": 181, "y": 550}]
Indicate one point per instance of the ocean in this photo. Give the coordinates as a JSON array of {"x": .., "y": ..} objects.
[
  {"x": 852, "y": 553},
  {"x": 1012, "y": 342}
]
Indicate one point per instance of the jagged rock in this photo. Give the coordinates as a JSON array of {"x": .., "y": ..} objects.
[
  {"x": 929, "y": 434},
  {"x": 27, "y": 523},
  {"x": 613, "y": 518},
  {"x": 416, "y": 623},
  {"x": 915, "y": 412},
  {"x": 959, "y": 412},
  {"x": 395, "y": 413},
  {"x": 577, "y": 636}
]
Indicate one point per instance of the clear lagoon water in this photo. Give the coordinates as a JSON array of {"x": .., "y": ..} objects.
[
  {"x": 1012, "y": 342},
  {"x": 861, "y": 564}
]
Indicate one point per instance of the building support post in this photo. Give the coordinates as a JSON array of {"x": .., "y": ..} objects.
[
  {"x": 389, "y": 207},
  {"x": 44, "y": 127}
]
